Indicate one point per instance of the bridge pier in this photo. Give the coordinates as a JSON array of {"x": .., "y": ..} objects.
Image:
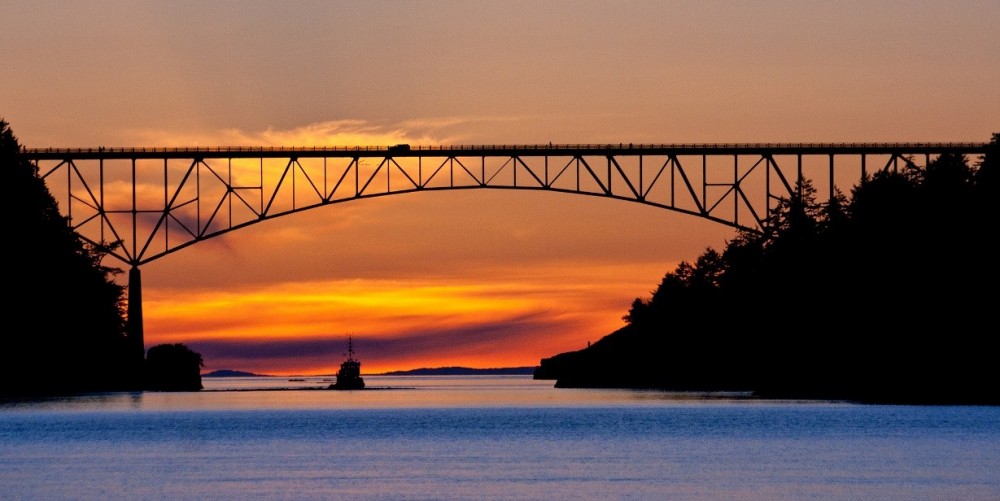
[{"x": 133, "y": 326}]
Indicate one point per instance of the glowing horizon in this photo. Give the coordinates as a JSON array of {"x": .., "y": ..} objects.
[
  {"x": 300, "y": 328},
  {"x": 482, "y": 279}
]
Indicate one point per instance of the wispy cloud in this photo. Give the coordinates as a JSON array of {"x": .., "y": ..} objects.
[
  {"x": 342, "y": 132},
  {"x": 498, "y": 343},
  {"x": 399, "y": 323}
]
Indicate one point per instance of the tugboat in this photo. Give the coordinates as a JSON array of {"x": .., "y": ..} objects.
[{"x": 349, "y": 375}]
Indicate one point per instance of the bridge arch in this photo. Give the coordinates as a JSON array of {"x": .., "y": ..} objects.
[{"x": 157, "y": 201}]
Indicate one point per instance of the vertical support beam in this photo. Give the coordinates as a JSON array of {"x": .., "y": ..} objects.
[
  {"x": 230, "y": 191},
  {"x": 798, "y": 174},
  {"x": 736, "y": 180},
  {"x": 292, "y": 163},
  {"x": 577, "y": 158},
  {"x": 513, "y": 165},
  {"x": 830, "y": 197},
  {"x": 768, "y": 161},
  {"x": 166, "y": 206},
  {"x": 104, "y": 218},
  {"x": 704, "y": 184},
  {"x": 133, "y": 326},
  {"x": 135, "y": 214},
  {"x": 69, "y": 190},
  {"x": 642, "y": 188},
  {"x": 197, "y": 194},
  {"x": 547, "y": 185},
  {"x": 609, "y": 175}
]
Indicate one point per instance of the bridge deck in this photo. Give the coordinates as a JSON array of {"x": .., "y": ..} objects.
[{"x": 507, "y": 150}]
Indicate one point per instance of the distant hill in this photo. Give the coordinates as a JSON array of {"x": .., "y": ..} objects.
[
  {"x": 231, "y": 373},
  {"x": 463, "y": 371}
]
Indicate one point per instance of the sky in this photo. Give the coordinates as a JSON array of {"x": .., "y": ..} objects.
[{"x": 477, "y": 278}]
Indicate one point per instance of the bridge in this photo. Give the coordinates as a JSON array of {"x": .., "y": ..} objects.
[{"x": 152, "y": 202}]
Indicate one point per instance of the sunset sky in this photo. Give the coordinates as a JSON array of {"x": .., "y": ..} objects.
[{"x": 475, "y": 278}]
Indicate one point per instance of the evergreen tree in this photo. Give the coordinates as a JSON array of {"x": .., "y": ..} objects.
[
  {"x": 882, "y": 297},
  {"x": 63, "y": 307}
]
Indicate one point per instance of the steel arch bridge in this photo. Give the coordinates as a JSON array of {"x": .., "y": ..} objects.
[{"x": 156, "y": 201}]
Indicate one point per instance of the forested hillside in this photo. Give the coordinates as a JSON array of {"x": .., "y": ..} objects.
[
  {"x": 65, "y": 330},
  {"x": 886, "y": 294}
]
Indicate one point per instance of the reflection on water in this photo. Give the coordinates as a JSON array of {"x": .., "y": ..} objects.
[
  {"x": 381, "y": 392},
  {"x": 487, "y": 437}
]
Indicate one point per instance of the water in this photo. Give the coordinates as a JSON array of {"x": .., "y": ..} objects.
[{"x": 488, "y": 437}]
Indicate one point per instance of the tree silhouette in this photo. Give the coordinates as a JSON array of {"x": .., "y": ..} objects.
[
  {"x": 65, "y": 312},
  {"x": 173, "y": 367},
  {"x": 880, "y": 297}
]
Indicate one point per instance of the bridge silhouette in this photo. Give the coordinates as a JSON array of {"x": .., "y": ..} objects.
[{"x": 151, "y": 202}]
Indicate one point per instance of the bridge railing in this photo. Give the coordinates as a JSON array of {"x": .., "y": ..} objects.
[{"x": 567, "y": 147}]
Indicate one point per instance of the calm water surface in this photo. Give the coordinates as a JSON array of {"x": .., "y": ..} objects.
[{"x": 499, "y": 437}]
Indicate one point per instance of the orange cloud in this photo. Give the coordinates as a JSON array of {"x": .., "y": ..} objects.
[
  {"x": 328, "y": 133},
  {"x": 297, "y": 328}
]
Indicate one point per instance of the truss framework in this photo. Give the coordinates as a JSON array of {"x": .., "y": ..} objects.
[{"x": 156, "y": 201}]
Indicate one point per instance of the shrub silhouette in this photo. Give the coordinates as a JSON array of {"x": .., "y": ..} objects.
[{"x": 173, "y": 367}]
